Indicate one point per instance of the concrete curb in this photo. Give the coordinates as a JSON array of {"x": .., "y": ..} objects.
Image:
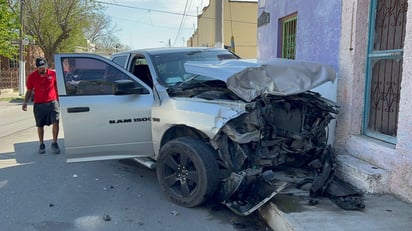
[{"x": 382, "y": 213}]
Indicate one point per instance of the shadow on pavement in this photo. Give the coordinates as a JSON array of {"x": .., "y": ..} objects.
[
  {"x": 27, "y": 152},
  {"x": 7, "y": 156}
]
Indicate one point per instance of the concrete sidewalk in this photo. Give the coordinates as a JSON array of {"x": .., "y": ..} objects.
[
  {"x": 289, "y": 211},
  {"x": 8, "y": 94}
]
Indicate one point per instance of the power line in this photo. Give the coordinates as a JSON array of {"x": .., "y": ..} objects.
[
  {"x": 145, "y": 9},
  {"x": 168, "y": 12},
  {"x": 187, "y": 6}
]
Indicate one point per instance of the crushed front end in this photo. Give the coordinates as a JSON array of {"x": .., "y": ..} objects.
[{"x": 280, "y": 134}]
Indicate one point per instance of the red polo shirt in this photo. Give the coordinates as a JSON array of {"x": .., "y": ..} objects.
[{"x": 44, "y": 86}]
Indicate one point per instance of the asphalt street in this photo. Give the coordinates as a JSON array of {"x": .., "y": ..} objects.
[{"x": 44, "y": 193}]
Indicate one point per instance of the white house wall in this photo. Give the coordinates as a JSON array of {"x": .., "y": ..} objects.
[
  {"x": 402, "y": 173},
  {"x": 396, "y": 160}
]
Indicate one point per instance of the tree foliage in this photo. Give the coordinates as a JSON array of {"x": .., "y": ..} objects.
[
  {"x": 101, "y": 33},
  {"x": 56, "y": 26},
  {"x": 59, "y": 25},
  {"x": 100, "y": 27},
  {"x": 9, "y": 30}
]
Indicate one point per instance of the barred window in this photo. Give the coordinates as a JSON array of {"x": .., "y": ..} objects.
[
  {"x": 385, "y": 65},
  {"x": 14, "y": 63},
  {"x": 288, "y": 36}
]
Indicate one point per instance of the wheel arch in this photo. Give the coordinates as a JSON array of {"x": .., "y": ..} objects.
[
  {"x": 186, "y": 131},
  {"x": 181, "y": 131}
]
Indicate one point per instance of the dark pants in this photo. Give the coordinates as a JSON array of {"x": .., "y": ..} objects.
[{"x": 46, "y": 114}]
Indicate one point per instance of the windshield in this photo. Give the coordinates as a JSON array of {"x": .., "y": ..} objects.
[{"x": 170, "y": 67}]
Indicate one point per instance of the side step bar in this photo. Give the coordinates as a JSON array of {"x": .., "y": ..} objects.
[{"x": 146, "y": 161}]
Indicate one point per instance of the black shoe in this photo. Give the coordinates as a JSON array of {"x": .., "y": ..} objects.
[
  {"x": 42, "y": 149},
  {"x": 55, "y": 148}
]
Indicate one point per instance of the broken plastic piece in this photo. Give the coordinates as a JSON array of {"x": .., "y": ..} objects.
[{"x": 106, "y": 217}]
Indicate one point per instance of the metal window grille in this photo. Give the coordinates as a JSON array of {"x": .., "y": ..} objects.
[
  {"x": 13, "y": 63},
  {"x": 386, "y": 41},
  {"x": 289, "y": 37}
]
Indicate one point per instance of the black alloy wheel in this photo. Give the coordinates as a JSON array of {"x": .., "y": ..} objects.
[{"x": 187, "y": 171}]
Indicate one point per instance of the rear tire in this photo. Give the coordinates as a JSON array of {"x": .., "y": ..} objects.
[{"x": 187, "y": 171}]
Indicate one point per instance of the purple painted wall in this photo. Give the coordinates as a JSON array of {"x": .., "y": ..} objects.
[{"x": 318, "y": 29}]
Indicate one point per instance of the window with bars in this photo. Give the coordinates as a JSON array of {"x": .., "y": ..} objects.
[
  {"x": 14, "y": 63},
  {"x": 384, "y": 73},
  {"x": 288, "y": 36}
]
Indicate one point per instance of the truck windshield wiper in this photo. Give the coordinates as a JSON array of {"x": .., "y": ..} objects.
[{"x": 187, "y": 80}]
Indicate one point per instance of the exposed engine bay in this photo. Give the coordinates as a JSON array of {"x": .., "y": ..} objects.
[{"x": 281, "y": 132}]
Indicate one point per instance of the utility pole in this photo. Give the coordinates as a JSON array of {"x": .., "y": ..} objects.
[
  {"x": 219, "y": 24},
  {"x": 22, "y": 72},
  {"x": 194, "y": 28}
]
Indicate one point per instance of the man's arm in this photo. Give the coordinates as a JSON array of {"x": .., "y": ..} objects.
[{"x": 26, "y": 99}]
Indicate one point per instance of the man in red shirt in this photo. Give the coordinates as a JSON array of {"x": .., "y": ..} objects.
[{"x": 46, "y": 105}]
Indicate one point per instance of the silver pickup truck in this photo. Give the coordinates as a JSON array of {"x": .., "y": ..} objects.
[{"x": 214, "y": 126}]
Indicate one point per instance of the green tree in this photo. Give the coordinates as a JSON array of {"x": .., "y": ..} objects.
[
  {"x": 100, "y": 27},
  {"x": 101, "y": 33},
  {"x": 9, "y": 30},
  {"x": 59, "y": 25}
]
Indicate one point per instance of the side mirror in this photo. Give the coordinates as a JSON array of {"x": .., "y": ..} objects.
[{"x": 127, "y": 87}]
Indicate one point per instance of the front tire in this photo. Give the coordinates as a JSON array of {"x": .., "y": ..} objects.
[{"x": 187, "y": 171}]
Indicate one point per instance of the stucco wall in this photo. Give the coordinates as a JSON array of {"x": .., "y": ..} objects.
[
  {"x": 395, "y": 159},
  {"x": 352, "y": 62},
  {"x": 318, "y": 29},
  {"x": 402, "y": 172}
]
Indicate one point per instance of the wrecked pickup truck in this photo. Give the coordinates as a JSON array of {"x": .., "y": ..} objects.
[{"x": 214, "y": 126}]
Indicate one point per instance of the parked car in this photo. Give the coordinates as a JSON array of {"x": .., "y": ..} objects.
[{"x": 214, "y": 126}]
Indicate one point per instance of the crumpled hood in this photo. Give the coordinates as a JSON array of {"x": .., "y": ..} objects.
[{"x": 249, "y": 79}]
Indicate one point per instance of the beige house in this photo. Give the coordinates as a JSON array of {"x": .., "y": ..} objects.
[{"x": 239, "y": 27}]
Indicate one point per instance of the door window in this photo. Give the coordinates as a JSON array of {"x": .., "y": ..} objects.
[
  {"x": 89, "y": 76},
  {"x": 121, "y": 60}
]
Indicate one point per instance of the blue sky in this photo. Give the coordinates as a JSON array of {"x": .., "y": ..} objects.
[{"x": 151, "y": 23}]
